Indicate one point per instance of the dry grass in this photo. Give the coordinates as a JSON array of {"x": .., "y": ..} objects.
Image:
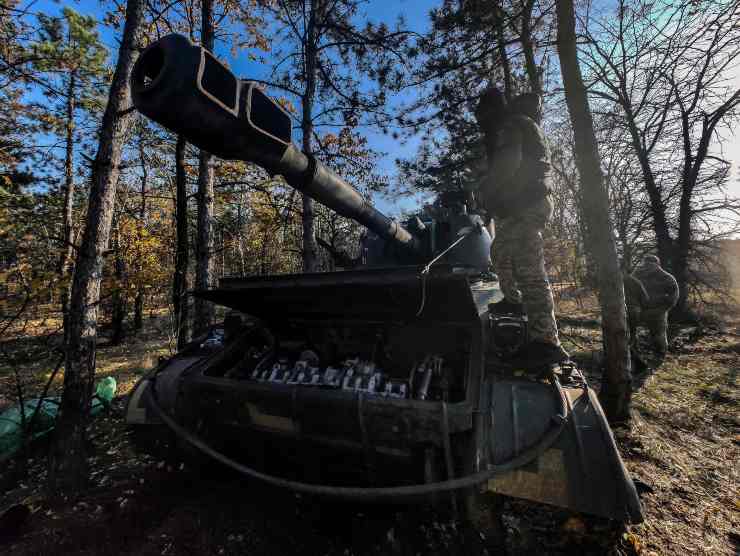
[
  {"x": 32, "y": 348},
  {"x": 684, "y": 444}
]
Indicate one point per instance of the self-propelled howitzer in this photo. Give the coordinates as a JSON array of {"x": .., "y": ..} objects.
[{"x": 398, "y": 369}]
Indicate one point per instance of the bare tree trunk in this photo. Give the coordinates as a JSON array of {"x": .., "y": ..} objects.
[
  {"x": 68, "y": 470},
  {"x": 626, "y": 243},
  {"x": 118, "y": 316},
  {"x": 657, "y": 205},
  {"x": 223, "y": 253},
  {"x": 240, "y": 243},
  {"x": 310, "y": 248},
  {"x": 616, "y": 391},
  {"x": 180, "y": 278},
  {"x": 67, "y": 257},
  {"x": 204, "y": 247},
  {"x": 139, "y": 301},
  {"x": 503, "y": 55},
  {"x": 263, "y": 253},
  {"x": 680, "y": 266},
  {"x": 139, "y": 310},
  {"x": 530, "y": 63},
  {"x": 693, "y": 161},
  {"x": 204, "y": 267}
]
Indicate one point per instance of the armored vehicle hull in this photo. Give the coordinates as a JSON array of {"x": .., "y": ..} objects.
[{"x": 343, "y": 370}]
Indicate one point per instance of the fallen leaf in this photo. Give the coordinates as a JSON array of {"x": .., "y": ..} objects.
[{"x": 633, "y": 540}]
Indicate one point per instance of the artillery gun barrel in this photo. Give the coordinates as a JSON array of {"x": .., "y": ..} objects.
[{"x": 186, "y": 89}]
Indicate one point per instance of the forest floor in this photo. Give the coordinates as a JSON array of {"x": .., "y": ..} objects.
[{"x": 683, "y": 450}]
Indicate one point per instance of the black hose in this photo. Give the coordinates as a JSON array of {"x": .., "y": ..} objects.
[{"x": 375, "y": 493}]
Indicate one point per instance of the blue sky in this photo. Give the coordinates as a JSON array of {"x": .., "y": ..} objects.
[
  {"x": 416, "y": 16},
  {"x": 415, "y": 13}
]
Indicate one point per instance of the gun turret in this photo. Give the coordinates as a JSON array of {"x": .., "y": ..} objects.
[{"x": 186, "y": 89}]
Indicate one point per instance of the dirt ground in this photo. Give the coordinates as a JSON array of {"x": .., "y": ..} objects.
[{"x": 682, "y": 449}]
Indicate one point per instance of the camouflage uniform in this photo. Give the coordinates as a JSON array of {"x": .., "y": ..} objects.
[
  {"x": 662, "y": 296},
  {"x": 517, "y": 257},
  {"x": 636, "y": 297},
  {"x": 517, "y": 194}
]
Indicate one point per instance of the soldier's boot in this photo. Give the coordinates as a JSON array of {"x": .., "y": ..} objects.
[
  {"x": 506, "y": 307},
  {"x": 537, "y": 354}
]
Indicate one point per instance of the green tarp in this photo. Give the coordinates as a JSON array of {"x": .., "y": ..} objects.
[{"x": 11, "y": 420}]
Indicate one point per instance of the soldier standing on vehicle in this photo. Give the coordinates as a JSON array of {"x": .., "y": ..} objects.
[
  {"x": 662, "y": 295},
  {"x": 516, "y": 192}
]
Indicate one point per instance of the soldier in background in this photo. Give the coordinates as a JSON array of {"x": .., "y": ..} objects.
[
  {"x": 516, "y": 192},
  {"x": 661, "y": 290},
  {"x": 636, "y": 297}
]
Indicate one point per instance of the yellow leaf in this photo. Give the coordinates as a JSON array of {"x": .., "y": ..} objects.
[{"x": 633, "y": 540}]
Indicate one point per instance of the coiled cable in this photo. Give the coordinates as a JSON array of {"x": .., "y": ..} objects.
[{"x": 367, "y": 494}]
